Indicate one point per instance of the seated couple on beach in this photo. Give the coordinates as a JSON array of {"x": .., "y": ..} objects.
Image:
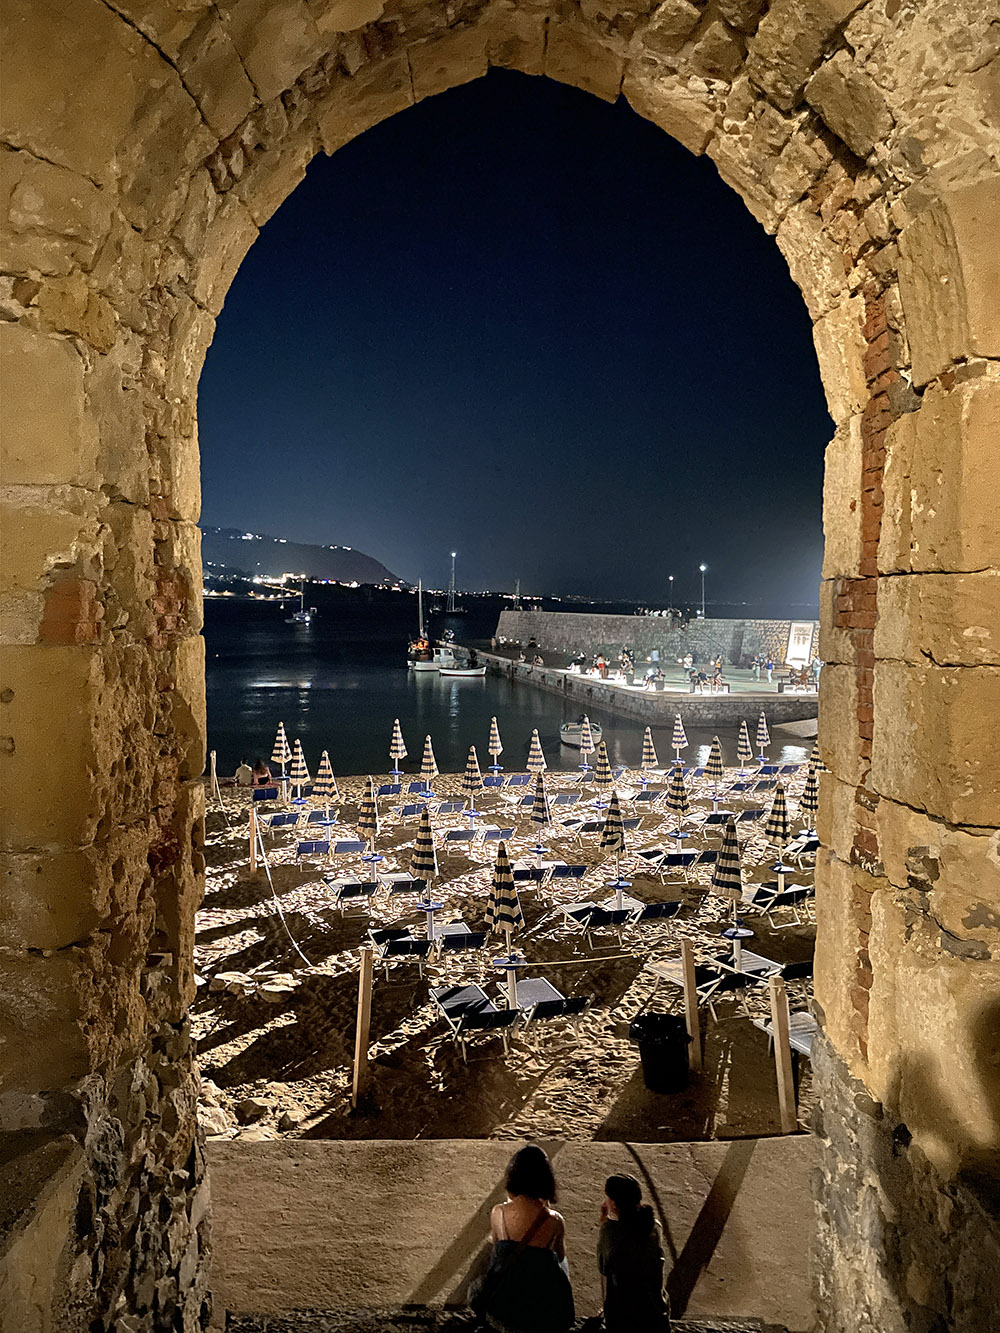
[{"x": 526, "y": 1288}]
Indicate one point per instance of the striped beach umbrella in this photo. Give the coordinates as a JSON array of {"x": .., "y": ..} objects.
[
  {"x": 649, "y": 759},
  {"x": 540, "y": 812},
  {"x": 777, "y": 828},
  {"x": 814, "y": 759},
  {"x": 678, "y": 741},
  {"x": 587, "y": 746},
  {"x": 744, "y": 750},
  {"x": 472, "y": 779},
  {"x": 282, "y": 751},
  {"x": 809, "y": 801},
  {"x": 602, "y": 769},
  {"x": 368, "y": 821},
  {"x": 503, "y": 911},
  {"x": 677, "y": 802},
  {"x": 727, "y": 878},
  {"x": 397, "y": 748},
  {"x": 763, "y": 736},
  {"x": 298, "y": 773},
  {"x": 423, "y": 861},
  {"x": 428, "y": 764},
  {"x": 536, "y": 760},
  {"x": 613, "y": 831},
  {"x": 494, "y": 748},
  {"x": 325, "y": 785}
]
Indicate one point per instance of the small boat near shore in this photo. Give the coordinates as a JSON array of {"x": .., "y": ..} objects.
[
  {"x": 457, "y": 670},
  {"x": 570, "y": 732}
]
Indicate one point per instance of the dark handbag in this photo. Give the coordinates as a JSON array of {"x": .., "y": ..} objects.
[{"x": 482, "y": 1291}]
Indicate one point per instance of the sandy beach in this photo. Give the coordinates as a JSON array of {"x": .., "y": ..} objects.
[{"x": 275, "y": 1033}]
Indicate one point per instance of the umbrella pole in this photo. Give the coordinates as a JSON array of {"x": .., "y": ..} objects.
[{"x": 511, "y": 974}]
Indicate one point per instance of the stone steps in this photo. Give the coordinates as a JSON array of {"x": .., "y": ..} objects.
[{"x": 424, "y": 1319}]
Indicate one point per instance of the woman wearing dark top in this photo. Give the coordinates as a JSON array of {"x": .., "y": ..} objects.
[
  {"x": 630, "y": 1257},
  {"x": 526, "y": 1288},
  {"x": 261, "y": 773}
]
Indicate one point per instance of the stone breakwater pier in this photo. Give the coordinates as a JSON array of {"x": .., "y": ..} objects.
[{"x": 658, "y": 708}]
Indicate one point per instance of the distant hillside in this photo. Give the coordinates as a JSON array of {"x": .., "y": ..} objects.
[{"x": 227, "y": 550}]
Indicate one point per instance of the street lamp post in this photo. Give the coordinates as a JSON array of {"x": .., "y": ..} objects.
[
  {"x": 670, "y": 580},
  {"x": 703, "y": 568}
]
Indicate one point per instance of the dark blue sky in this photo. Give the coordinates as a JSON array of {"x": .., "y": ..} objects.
[{"x": 520, "y": 323}]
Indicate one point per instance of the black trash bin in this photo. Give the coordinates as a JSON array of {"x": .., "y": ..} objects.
[{"x": 663, "y": 1050}]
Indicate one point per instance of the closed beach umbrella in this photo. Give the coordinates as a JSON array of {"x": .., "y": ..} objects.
[
  {"x": 678, "y": 740},
  {"x": 472, "y": 779},
  {"x": 649, "y": 759},
  {"x": 495, "y": 748},
  {"x": 677, "y": 802},
  {"x": 368, "y": 822},
  {"x": 744, "y": 750},
  {"x": 428, "y": 764},
  {"x": 815, "y": 761},
  {"x": 397, "y": 749},
  {"x": 282, "y": 750},
  {"x": 325, "y": 785},
  {"x": 809, "y": 803},
  {"x": 602, "y": 769},
  {"x": 423, "y": 861},
  {"x": 727, "y": 878},
  {"x": 777, "y": 828},
  {"x": 536, "y": 760},
  {"x": 763, "y": 736},
  {"x": 503, "y": 912},
  {"x": 715, "y": 769},
  {"x": 540, "y": 812},
  {"x": 613, "y": 832},
  {"x": 586, "y": 741},
  {"x": 298, "y": 773}
]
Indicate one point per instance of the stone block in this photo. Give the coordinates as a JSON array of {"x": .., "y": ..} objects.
[
  {"x": 517, "y": 41},
  {"x": 51, "y": 220},
  {"x": 115, "y": 405},
  {"x": 838, "y": 706},
  {"x": 742, "y": 14},
  {"x": 70, "y": 305},
  {"x": 729, "y": 156},
  {"x": 227, "y": 239},
  {"x": 354, "y": 104},
  {"x": 41, "y": 527},
  {"x": 850, "y": 104},
  {"x": 842, "y": 502},
  {"x": 574, "y": 55},
  {"x": 836, "y": 821},
  {"x": 835, "y": 644},
  {"x": 48, "y": 436},
  {"x": 276, "y": 40},
  {"x": 949, "y": 273},
  {"x": 457, "y": 56},
  {"x": 667, "y": 101},
  {"x": 337, "y": 16},
  {"x": 718, "y": 53},
  {"x": 789, "y": 44},
  {"x": 187, "y": 706},
  {"x": 214, "y": 76},
  {"x": 274, "y": 174},
  {"x": 836, "y": 943},
  {"x": 815, "y": 262},
  {"x": 950, "y": 619},
  {"x": 802, "y": 162},
  {"x": 935, "y": 739},
  {"x": 941, "y": 486},
  {"x": 671, "y": 26},
  {"x": 840, "y": 348}
]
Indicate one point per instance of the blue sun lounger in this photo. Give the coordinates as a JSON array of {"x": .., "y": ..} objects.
[{"x": 470, "y": 1012}]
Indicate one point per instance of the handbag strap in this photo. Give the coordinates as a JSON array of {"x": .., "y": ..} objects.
[{"x": 522, "y": 1245}]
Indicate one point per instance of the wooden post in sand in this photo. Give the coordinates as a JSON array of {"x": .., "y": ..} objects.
[
  {"x": 253, "y": 840},
  {"x": 691, "y": 1014},
  {"x": 213, "y": 777},
  {"x": 783, "y": 1056},
  {"x": 361, "y": 1070}
]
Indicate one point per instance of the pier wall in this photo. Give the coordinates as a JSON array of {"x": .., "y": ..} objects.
[
  {"x": 698, "y": 710},
  {"x": 572, "y": 631}
]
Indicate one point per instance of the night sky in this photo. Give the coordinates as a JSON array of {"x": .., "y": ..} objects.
[{"x": 520, "y": 323}]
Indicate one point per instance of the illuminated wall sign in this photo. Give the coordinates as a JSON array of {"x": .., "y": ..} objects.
[{"x": 800, "y": 637}]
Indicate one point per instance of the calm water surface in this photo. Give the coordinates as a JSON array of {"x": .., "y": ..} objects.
[{"x": 338, "y": 683}]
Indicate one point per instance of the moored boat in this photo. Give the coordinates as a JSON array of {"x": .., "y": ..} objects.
[
  {"x": 569, "y": 733},
  {"x": 462, "y": 671}
]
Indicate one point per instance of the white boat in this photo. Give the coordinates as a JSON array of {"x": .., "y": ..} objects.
[
  {"x": 569, "y": 733},
  {"x": 304, "y": 615},
  {"x": 462, "y": 671},
  {"x": 436, "y": 659}
]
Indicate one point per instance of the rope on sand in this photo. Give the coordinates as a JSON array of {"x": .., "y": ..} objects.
[{"x": 277, "y": 902}]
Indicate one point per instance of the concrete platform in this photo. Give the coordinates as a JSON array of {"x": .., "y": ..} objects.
[{"x": 321, "y": 1225}]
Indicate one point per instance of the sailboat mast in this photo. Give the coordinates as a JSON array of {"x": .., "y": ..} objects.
[
  {"x": 451, "y": 586},
  {"x": 420, "y": 608}
]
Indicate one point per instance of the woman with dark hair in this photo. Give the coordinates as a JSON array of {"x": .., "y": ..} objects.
[
  {"x": 526, "y": 1287},
  {"x": 630, "y": 1257}
]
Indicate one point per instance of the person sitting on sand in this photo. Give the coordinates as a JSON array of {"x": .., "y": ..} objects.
[
  {"x": 526, "y": 1288},
  {"x": 630, "y": 1257},
  {"x": 244, "y": 775},
  {"x": 261, "y": 773}
]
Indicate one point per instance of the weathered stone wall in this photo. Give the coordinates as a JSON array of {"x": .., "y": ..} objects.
[
  {"x": 142, "y": 146},
  {"x": 574, "y": 631}
]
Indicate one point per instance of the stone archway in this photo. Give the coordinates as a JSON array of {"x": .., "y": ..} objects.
[{"x": 145, "y": 142}]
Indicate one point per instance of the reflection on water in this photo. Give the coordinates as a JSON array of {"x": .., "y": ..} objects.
[{"x": 338, "y": 683}]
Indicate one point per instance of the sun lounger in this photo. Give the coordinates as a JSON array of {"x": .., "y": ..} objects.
[
  {"x": 648, "y": 797},
  {"x": 536, "y": 873},
  {"x": 282, "y": 821},
  {"x": 313, "y": 847},
  {"x": 564, "y": 798},
  {"x": 631, "y": 823},
  {"x": 605, "y": 918},
  {"x": 707, "y": 856},
  {"x": 590, "y": 826},
  {"x": 563, "y": 871},
  {"x": 265, "y": 793},
  {"x": 768, "y": 784},
  {"x": 797, "y": 971},
  {"x": 493, "y": 780},
  {"x": 469, "y": 1011},
  {"x": 418, "y": 789},
  {"x": 652, "y": 912},
  {"x": 448, "y": 808},
  {"x": 404, "y": 945},
  {"x": 412, "y": 811},
  {"x": 493, "y": 834},
  {"x": 525, "y": 802},
  {"x": 347, "y": 847},
  {"x": 321, "y": 817},
  {"x": 790, "y": 768},
  {"x": 398, "y": 881},
  {"x": 802, "y": 1029},
  {"x": 751, "y": 964},
  {"x": 577, "y": 912},
  {"x": 718, "y": 816},
  {"x": 352, "y": 890},
  {"x": 456, "y": 937},
  {"x": 389, "y": 789},
  {"x": 454, "y": 836},
  {"x": 739, "y": 788},
  {"x": 519, "y": 779},
  {"x": 767, "y": 770},
  {"x": 746, "y": 815}
]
